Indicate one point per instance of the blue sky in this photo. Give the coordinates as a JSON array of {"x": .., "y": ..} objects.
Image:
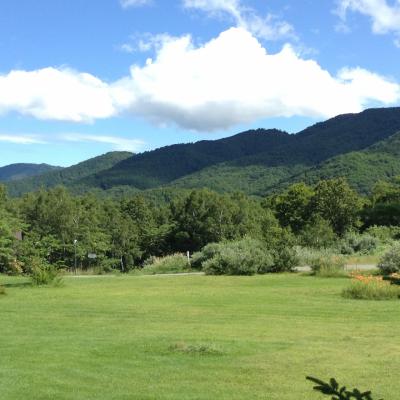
[{"x": 79, "y": 78}]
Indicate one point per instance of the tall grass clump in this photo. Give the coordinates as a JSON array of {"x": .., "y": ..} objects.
[
  {"x": 172, "y": 264},
  {"x": 371, "y": 288},
  {"x": 42, "y": 273},
  {"x": 327, "y": 265},
  {"x": 390, "y": 261}
]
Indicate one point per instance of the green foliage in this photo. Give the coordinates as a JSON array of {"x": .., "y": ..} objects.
[
  {"x": 43, "y": 273},
  {"x": 390, "y": 261},
  {"x": 243, "y": 257},
  {"x": 384, "y": 234},
  {"x": 203, "y": 217},
  {"x": 326, "y": 264},
  {"x": 353, "y": 242},
  {"x": 317, "y": 233},
  {"x": 171, "y": 264},
  {"x": 293, "y": 206},
  {"x": 2, "y": 290},
  {"x": 332, "y": 388},
  {"x": 338, "y": 204},
  {"x": 371, "y": 289}
]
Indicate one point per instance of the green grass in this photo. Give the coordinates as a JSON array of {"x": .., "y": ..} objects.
[{"x": 193, "y": 337}]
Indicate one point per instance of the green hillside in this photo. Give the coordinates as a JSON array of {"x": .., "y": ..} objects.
[
  {"x": 255, "y": 161},
  {"x": 15, "y": 172},
  {"x": 361, "y": 147},
  {"x": 362, "y": 169},
  {"x": 67, "y": 176}
]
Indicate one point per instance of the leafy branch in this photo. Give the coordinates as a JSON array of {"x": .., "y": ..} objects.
[{"x": 333, "y": 389}]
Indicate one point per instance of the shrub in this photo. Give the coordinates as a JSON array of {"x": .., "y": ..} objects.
[
  {"x": 285, "y": 259},
  {"x": 356, "y": 243},
  {"x": 385, "y": 234},
  {"x": 205, "y": 254},
  {"x": 328, "y": 265},
  {"x": 242, "y": 257},
  {"x": 371, "y": 288},
  {"x": 42, "y": 273},
  {"x": 2, "y": 290},
  {"x": 390, "y": 261},
  {"x": 14, "y": 268},
  {"x": 171, "y": 264}
]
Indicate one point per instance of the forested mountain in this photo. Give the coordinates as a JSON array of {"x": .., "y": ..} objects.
[
  {"x": 15, "y": 172},
  {"x": 362, "y": 147},
  {"x": 67, "y": 176}
]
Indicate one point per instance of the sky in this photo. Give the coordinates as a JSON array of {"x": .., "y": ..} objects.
[{"x": 79, "y": 78}]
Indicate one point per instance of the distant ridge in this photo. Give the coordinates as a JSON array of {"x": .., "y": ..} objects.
[
  {"x": 67, "y": 176},
  {"x": 363, "y": 147},
  {"x": 15, "y": 172}
]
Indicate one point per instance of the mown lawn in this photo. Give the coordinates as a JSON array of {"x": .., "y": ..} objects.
[{"x": 147, "y": 337}]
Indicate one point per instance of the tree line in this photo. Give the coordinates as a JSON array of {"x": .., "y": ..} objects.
[{"x": 64, "y": 230}]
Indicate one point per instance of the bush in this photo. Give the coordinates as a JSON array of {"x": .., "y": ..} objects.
[
  {"x": 328, "y": 265},
  {"x": 242, "y": 257},
  {"x": 390, "y": 261},
  {"x": 371, "y": 288},
  {"x": 285, "y": 259},
  {"x": 356, "y": 243},
  {"x": 171, "y": 264},
  {"x": 385, "y": 234},
  {"x": 42, "y": 273},
  {"x": 2, "y": 290}
]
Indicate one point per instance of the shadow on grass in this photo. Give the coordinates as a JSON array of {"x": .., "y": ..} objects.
[{"x": 17, "y": 284}]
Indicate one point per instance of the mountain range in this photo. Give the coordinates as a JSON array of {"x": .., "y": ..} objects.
[{"x": 363, "y": 147}]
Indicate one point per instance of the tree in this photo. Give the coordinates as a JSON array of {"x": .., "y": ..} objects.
[
  {"x": 292, "y": 207},
  {"x": 337, "y": 203}
]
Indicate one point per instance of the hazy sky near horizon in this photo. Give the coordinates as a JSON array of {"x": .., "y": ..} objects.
[{"x": 79, "y": 78}]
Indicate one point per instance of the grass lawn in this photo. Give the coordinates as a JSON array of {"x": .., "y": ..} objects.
[{"x": 193, "y": 337}]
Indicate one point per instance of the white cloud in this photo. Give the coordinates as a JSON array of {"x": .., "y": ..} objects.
[
  {"x": 268, "y": 28},
  {"x": 21, "y": 139},
  {"x": 58, "y": 94},
  {"x": 232, "y": 79},
  {"x": 118, "y": 143},
  {"x": 385, "y": 17},
  {"x": 145, "y": 42},
  {"x": 134, "y": 3}
]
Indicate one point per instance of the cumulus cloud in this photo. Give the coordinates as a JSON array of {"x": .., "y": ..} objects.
[
  {"x": 268, "y": 28},
  {"x": 385, "y": 17},
  {"x": 118, "y": 143},
  {"x": 229, "y": 80},
  {"x": 58, "y": 94},
  {"x": 134, "y": 3},
  {"x": 232, "y": 79}
]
